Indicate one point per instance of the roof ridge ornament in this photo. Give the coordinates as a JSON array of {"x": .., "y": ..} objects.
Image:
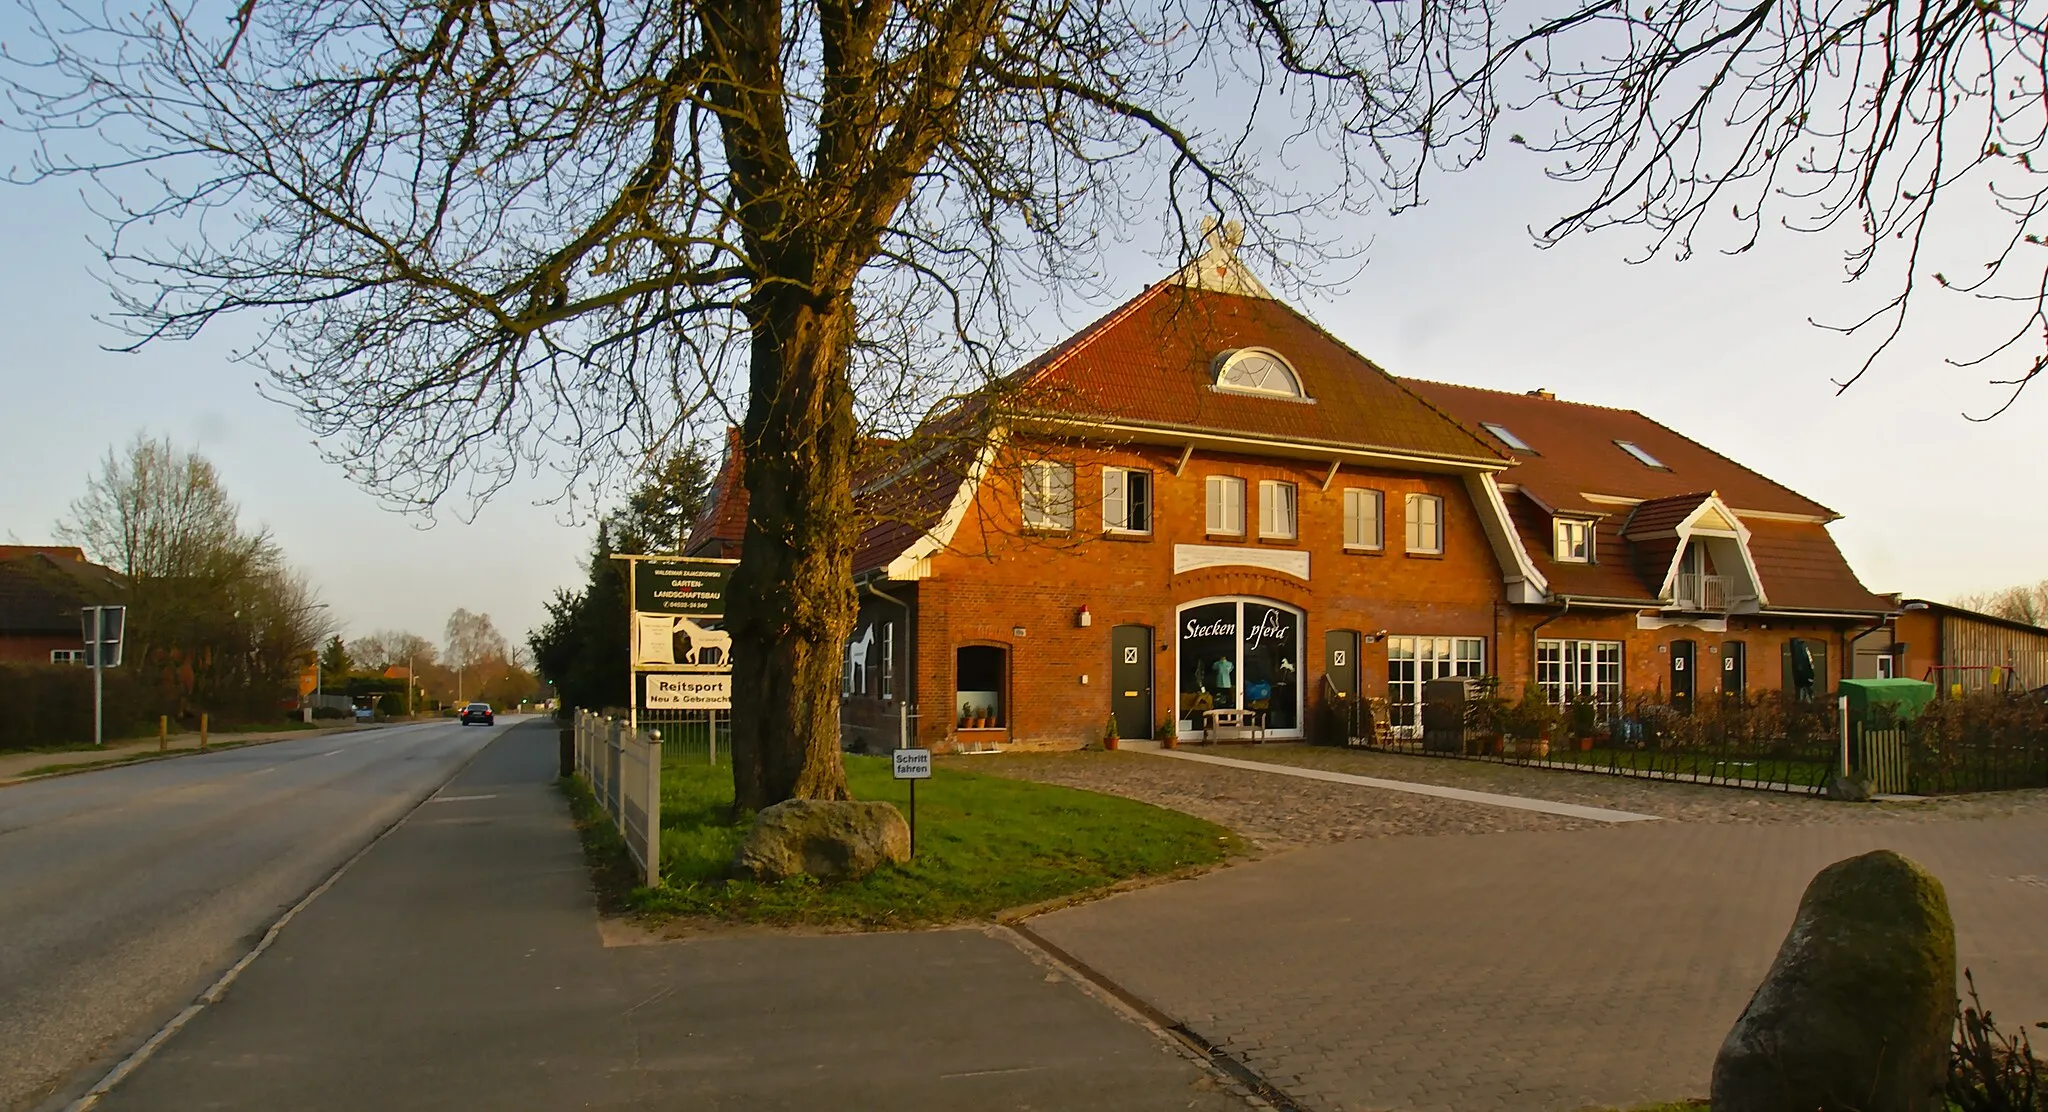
[{"x": 1218, "y": 268}]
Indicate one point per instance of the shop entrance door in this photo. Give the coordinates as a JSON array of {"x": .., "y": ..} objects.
[
  {"x": 1682, "y": 676},
  {"x": 1130, "y": 679},
  {"x": 1340, "y": 661}
]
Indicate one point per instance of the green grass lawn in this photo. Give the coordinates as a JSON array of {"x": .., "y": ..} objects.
[{"x": 984, "y": 844}]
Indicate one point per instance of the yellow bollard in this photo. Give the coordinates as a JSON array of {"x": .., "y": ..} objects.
[
  {"x": 163, "y": 732},
  {"x": 202, "y": 731}
]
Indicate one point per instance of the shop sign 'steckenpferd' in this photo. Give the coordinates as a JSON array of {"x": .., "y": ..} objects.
[{"x": 682, "y": 586}]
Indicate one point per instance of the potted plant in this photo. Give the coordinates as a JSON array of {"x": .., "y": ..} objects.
[
  {"x": 1109, "y": 738},
  {"x": 1484, "y": 725},
  {"x": 1530, "y": 723},
  {"x": 1583, "y": 718}
]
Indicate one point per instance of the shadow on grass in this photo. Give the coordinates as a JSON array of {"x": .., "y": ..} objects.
[{"x": 985, "y": 844}]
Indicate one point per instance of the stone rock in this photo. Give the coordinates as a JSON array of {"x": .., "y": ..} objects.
[
  {"x": 1850, "y": 789},
  {"x": 827, "y": 840},
  {"x": 1858, "y": 1009}
]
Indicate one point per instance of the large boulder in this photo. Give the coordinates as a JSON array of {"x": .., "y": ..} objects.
[
  {"x": 1857, "y": 1010},
  {"x": 828, "y": 840}
]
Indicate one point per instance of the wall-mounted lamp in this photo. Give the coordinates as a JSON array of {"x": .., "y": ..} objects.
[
  {"x": 1016, "y": 631},
  {"x": 1085, "y": 618}
]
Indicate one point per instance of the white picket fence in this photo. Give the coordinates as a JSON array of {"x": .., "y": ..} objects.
[{"x": 624, "y": 771}]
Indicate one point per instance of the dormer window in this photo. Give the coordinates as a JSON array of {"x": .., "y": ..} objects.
[
  {"x": 1257, "y": 371},
  {"x": 1574, "y": 541}
]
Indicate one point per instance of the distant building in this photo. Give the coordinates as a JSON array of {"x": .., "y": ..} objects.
[
  {"x": 1957, "y": 650},
  {"x": 41, "y": 590}
]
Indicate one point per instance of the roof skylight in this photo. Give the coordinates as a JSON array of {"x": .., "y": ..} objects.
[
  {"x": 1501, "y": 433},
  {"x": 1642, "y": 457}
]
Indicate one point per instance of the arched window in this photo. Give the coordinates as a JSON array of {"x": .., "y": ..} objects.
[{"x": 1257, "y": 371}]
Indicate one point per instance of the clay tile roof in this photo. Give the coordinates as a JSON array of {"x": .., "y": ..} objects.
[
  {"x": 1573, "y": 453},
  {"x": 42, "y": 587},
  {"x": 1803, "y": 570},
  {"x": 1152, "y": 362},
  {"x": 718, "y": 530},
  {"x": 1660, "y": 515}
]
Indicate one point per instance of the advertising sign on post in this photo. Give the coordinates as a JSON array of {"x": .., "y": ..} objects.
[
  {"x": 689, "y": 691},
  {"x": 682, "y": 586}
]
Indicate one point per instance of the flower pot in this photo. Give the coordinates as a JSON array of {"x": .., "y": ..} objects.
[
  {"x": 1585, "y": 745},
  {"x": 1170, "y": 741},
  {"x": 1109, "y": 743}
]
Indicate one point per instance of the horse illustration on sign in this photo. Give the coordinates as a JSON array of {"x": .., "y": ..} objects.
[{"x": 715, "y": 641}]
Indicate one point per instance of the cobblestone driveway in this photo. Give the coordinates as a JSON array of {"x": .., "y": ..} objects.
[{"x": 1511, "y": 961}]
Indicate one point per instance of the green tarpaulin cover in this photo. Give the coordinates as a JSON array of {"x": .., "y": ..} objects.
[{"x": 1904, "y": 698}]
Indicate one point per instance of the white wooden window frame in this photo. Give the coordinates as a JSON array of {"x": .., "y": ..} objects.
[
  {"x": 1424, "y": 521},
  {"x": 1279, "y": 510},
  {"x": 1046, "y": 492},
  {"x": 1574, "y": 541},
  {"x": 1365, "y": 519},
  {"x": 1223, "y": 500},
  {"x": 1117, "y": 483}
]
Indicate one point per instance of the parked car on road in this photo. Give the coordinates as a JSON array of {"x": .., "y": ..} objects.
[{"x": 479, "y": 712}]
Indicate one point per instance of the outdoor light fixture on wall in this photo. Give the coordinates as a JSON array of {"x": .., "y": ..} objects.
[
  {"x": 1016, "y": 631},
  {"x": 1085, "y": 618}
]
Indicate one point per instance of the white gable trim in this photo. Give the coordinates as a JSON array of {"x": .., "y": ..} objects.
[
  {"x": 1524, "y": 583},
  {"x": 916, "y": 561},
  {"x": 1687, "y": 529}
]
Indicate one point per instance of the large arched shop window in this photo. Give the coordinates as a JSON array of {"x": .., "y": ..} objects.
[{"x": 1239, "y": 653}]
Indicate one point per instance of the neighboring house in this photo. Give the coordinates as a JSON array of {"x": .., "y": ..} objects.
[
  {"x": 1203, "y": 501},
  {"x": 1958, "y": 650},
  {"x": 41, "y": 590}
]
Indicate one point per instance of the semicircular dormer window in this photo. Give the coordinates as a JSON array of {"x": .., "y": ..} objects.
[{"x": 1257, "y": 371}]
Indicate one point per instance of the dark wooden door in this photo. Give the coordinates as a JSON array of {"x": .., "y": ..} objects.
[
  {"x": 1130, "y": 680},
  {"x": 1683, "y": 675},
  {"x": 1340, "y": 661},
  {"x": 1734, "y": 671}
]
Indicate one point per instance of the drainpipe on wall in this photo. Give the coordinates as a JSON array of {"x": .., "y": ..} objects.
[{"x": 909, "y": 697}]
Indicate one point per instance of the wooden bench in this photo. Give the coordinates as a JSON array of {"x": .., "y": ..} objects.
[{"x": 1231, "y": 724}]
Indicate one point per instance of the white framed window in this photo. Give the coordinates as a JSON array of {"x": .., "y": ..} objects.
[
  {"x": 1277, "y": 509},
  {"x": 67, "y": 656},
  {"x": 1226, "y": 504},
  {"x": 1414, "y": 661},
  {"x": 1574, "y": 541},
  {"x": 888, "y": 684},
  {"x": 1257, "y": 371},
  {"x": 1425, "y": 524},
  {"x": 1502, "y": 434},
  {"x": 1048, "y": 494},
  {"x": 1637, "y": 453},
  {"x": 1583, "y": 670},
  {"x": 1364, "y": 518},
  {"x": 1126, "y": 500}
]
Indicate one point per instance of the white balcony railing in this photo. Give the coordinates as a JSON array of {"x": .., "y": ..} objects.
[{"x": 1713, "y": 593}]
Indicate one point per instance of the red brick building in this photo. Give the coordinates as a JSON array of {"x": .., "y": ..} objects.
[
  {"x": 41, "y": 589},
  {"x": 1203, "y": 501}
]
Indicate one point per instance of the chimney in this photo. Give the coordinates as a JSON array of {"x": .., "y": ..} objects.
[{"x": 1540, "y": 392}]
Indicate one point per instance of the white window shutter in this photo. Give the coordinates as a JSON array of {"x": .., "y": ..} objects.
[{"x": 1116, "y": 506}]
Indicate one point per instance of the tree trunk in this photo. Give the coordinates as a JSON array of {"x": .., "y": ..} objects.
[{"x": 792, "y": 602}]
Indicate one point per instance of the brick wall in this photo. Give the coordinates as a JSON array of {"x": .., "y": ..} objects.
[{"x": 35, "y": 648}]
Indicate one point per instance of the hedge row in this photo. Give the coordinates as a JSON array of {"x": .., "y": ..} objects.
[{"x": 51, "y": 704}]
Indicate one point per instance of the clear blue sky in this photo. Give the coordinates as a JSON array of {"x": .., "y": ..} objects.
[{"x": 1717, "y": 347}]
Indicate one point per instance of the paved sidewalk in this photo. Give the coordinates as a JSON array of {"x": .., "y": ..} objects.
[
  {"x": 459, "y": 965},
  {"x": 1529, "y": 971}
]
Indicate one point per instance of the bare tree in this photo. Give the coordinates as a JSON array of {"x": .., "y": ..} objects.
[
  {"x": 213, "y": 608},
  {"x": 389, "y": 648},
  {"x": 485, "y": 236},
  {"x": 2019, "y": 604}
]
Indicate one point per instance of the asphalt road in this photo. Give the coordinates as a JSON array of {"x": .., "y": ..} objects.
[{"x": 125, "y": 893}]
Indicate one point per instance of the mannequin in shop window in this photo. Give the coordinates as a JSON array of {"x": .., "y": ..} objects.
[{"x": 1223, "y": 670}]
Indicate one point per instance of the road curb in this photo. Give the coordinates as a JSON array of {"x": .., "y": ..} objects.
[
  {"x": 220, "y": 986},
  {"x": 1234, "y": 1072}
]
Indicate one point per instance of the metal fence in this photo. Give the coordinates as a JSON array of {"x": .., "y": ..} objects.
[
  {"x": 701, "y": 736},
  {"x": 623, "y": 768},
  {"x": 1987, "y": 743}
]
